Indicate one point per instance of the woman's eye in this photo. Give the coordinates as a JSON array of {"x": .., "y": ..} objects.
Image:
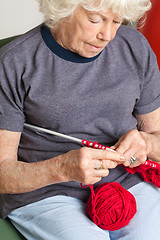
[
  {"x": 117, "y": 22},
  {"x": 95, "y": 20}
]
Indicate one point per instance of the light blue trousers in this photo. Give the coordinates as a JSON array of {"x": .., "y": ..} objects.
[{"x": 64, "y": 218}]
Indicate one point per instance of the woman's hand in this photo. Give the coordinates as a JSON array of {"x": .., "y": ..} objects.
[
  {"x": 133, "y": 144},
  {"x": 88, "y": 165}
]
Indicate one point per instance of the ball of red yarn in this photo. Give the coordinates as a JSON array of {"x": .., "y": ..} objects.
[{"x": 110, "y": 206}]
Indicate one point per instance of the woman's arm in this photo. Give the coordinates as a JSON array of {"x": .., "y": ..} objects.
[
  {"x": 149, "y": 126},
  {"x": 78, "y": 165},
  {"x": 18, "y": 177}
]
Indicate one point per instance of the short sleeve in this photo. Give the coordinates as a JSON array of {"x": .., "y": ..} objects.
[
  {"x": 11, "y": 90},
  {"x": 150, "y": 82}
]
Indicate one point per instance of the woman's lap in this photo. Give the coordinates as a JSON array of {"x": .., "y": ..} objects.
[
  {"x": 56, "y": 218},
  {"x": 64, "y": 218}
]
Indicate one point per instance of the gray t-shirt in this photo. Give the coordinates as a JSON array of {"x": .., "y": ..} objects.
[{"x": 88, "y": 98}]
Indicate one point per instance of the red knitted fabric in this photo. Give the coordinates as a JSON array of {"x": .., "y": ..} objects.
[
  {"x": 110, "y": 206},
  {"x": 150, "y": 172}
]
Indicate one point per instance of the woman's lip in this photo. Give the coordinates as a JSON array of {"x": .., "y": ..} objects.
[{"x": 96, "y": 48}]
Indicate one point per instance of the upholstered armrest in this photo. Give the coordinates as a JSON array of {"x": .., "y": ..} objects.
[
  {"x": 7, "y": 40},
  {"x": 8, "y": 232}
]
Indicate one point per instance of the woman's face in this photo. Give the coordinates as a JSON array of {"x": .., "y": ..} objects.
[{"x": 87, "y": 33}]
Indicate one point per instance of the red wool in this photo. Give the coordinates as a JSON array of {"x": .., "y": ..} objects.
[
  {"x": 149, "y": 171},
  {"x": 110, "y": 206}
]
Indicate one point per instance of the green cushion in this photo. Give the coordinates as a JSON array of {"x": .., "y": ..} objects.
[
  {"x": 7, "y": 40},
  {"x": 7, "y": 230}
]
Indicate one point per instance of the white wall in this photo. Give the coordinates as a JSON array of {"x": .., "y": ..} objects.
[{"x": 18, "y": 16}]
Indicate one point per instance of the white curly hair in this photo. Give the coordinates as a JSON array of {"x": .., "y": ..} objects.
[{"x": 129, "y": 10}]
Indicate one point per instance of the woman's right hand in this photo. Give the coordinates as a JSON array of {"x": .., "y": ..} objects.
[{"x": 87, "y": 165}]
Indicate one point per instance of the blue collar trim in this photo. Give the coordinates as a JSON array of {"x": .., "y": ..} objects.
[{"x": 60, "y": 51}]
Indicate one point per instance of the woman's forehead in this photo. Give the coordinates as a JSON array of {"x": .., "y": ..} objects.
[{"x": 100, "y": 13}]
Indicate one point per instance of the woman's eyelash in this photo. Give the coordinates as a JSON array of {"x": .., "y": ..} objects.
[
  {"x": 118, "y": 22},
  {"x": 94, "y": 21},
  {"x": 98, "y": 21}
]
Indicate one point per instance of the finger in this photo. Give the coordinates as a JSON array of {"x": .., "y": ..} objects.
[
  {"x": 101, "y": 173},
  {"x": 125, "y": 142},
  {"x": 140, "y": 155},
  {"x": 96, "y": 164},
  {"x": 139, "y": 161},
  {"x": 128, "y": 155},
  {"x": 122, "y": 147},
  {"x": 103, "y": 164},
  {"x": 107, "y": 155},
  {"x": 113, "y": 147},
  {"x": 109, "y": 164},
  {"x": 116, "y": 146}
]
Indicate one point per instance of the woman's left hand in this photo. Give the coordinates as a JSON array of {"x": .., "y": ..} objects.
[{"x": 134, "y": 146}]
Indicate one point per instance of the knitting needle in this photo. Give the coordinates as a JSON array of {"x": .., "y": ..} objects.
[
  {"x": 148, "y": 164},
  {"x": 53, "y": 133},
  {"x": 77, "y": 140}
]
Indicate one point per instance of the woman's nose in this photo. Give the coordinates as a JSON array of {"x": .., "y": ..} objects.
[{"x": 107, "y": 33}]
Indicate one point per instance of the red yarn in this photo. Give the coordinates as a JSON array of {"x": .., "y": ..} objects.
[
  {"x": 150, "y": 172},
  {"x": 110, "y": 206}
]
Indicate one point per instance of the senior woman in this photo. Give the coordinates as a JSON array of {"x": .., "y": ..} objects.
[{"x": 82, "y": 74}]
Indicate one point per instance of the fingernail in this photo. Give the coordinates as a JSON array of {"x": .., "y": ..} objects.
[
  {"x": 122, "y": 158},
  {"x": 127, "y": 164},
  {"x": 113, "y": 147}
]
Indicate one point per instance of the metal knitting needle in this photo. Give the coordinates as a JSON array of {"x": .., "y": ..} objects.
[
  {"x": 53, "y": 133},
  {"x": 148, "y": 164},
  {"x": 77, "y": 140}
]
